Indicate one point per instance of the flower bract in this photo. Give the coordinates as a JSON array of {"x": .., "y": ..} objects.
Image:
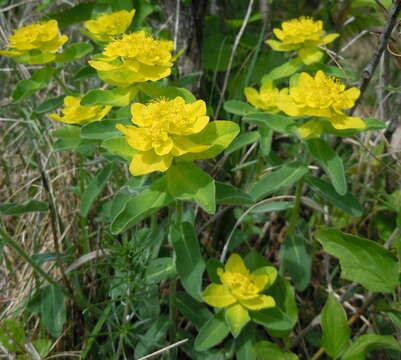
[
  {"x": 74, "y": 113},
  {"x": 303, "y": 35},
  {"x": 240, "y": 291},
  {"x": 40, "y": 41},
  {"x": 134, "y": 58},
  {"x": 166, "y": 129},
  {"x": 107, "y": 26},
  {"x": 265, "y": 99},
  {"x": 320, "y": 96}
]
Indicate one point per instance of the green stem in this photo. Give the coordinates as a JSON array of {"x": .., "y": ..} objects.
[
  {"x": 297, "y": 205},
  {"x": 61, "y": 83}
]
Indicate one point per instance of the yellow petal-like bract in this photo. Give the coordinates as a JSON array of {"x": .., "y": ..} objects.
[
  {"x": 161, "y": 132},
  {"x": 240, "y": 287},
  {"x": 107, "y": 26},
  {"x": 265, "y": 99},
  {"x": 74, "y": 113},
  {"x": 321, "y": 96},
  {"x": 43, "y": 38},
  {"x": 134, "y": 58},
  {"x": 302, "y": 34}
]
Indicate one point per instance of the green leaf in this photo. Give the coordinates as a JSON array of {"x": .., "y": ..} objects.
[
  {"x": 84, "y": 73},
  {"x": 242, "y": 141},
  {"x": 170, "y": 92},
  {"x": 141, "y": 206},
  {"x": 94, "y": 188},
  {"x": 49, "y": 302},
  {"x": 188, "y": 182},
  {"x": 103, "y": 129},
  {"x": 39, "y": 79},
  {"x": 212, "y": 333},
  {"x": 12, "y": 335},
  {"x": 236, "y": 317},
  {"x": 280, "y": 319},
  {"x": 218, "y": 49},
  {"x": 228, "y": 194},
  {"x": 218, "y": 133},
  {"x": 361, "y": 260},
  {"x": 336, "y": 331},
  {"x": 347, "y": 202},
  {"x": 193, "y": 310},
  {"x": 284, "y": 176},
  {"x": 297, "y": 260},
  {"x": 29, "y": 206},
  {"x": 49, "y": 105},
  {"x": 284, "y": 70},
  {"x": 211, "y": 267},
  {"x": 160, "y": 269},
  {"x": 73, "y": 15},
  {"x": 371, "y": 124},
  {"x": 189, "y": 262},
  {"x": 237, "y": 107},
  {"x": 73, "y": 52},
  {"x": 244, "y": 344},
  {"x": 280, "y": 123},
  {"x": 369, "y": 342},
  {"x": 330, "y": 162},
  {"x": 272, "y": 206},
  {"x": 266, "y": 136},
  {"x": 150, "y": 339},
  {"x": 266, "y": 350},
  {"x": 113, "y": 97},
  {"x": 120, "y": 147},
  {"x": 68, "y": 132}
]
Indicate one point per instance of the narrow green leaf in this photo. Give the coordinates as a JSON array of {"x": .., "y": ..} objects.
[
  {"x": 193, "y": 310},
  {"x": 68, "y": 132},
  {"x": 242, "y": 141},
  {"x": 284, "y": 70},
  {"x": 211, "y": 267},
  {"x": 29, "y": 206},
  {"x": 237, "y": 107},
  {"x": 94, "y": 188},
  {"x": 103, "y": 129},
  {"x": 49, "y": 105},
  {"x": 39, "y": 79},
  {"x": 244, "y": 343},
  {"x": 186, "y": 181},
  {"x": 119, "y": 146},
  {"x": 297, "y": 260},
  {"x": 266, "y": 350},
  {"x": 113, "y": 97},
  {"x": 284, "y": 176},
  {"x": 189, "y": 262},
  {"x": 361, "y": 260},
  {"x": 369, "y": 342},
  {"x": 73, "y": 52},
  {"x": 330, "y": 162},
  {"x": 49, "y": 302},
  {"x": 280, "y": 123},
  {"x": 228, "y": 194},
  {"x": 347, "y": 202},
  {"x": 336, "y": 331},
  {"x": 212, "y": 333},
  {"x": 141, "y": 206},
  {"x": 160, "y": 269}
]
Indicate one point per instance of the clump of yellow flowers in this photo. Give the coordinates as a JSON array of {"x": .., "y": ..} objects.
[
  {"x": 240, "y": 291},
  {"x": 321, "y": 96},
  {"x": 74, "y": 113},
  {"x": 134, "y": 58},
  {"x": 303, "y": 35},
  {"x": 39, "y": 42},
  {"x": 163, "y": 131},
  {"x": 106, "y": 26},
  {"x": 266, "y": 99}
]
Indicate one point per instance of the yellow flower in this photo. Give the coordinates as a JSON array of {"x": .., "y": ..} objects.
[
  {"x": 266, "y": 99},
  {"x": 74, "y": 113},
  {"x": 162, "y": 132},
  {"x": 303, "y": 35},
  {"x": 42, "y": 38},
  {"x": 107, "y": 26},
  {"x": 322, "y": 96},
  {"x": 240, "y": 291},
  {"x": 134, "y": 58}
]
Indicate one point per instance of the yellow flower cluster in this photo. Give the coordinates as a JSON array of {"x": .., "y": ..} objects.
[
  {"x": 134, "y": 58},
  {"x": 266, "y": 99},
  {"x": 41, "y": 40},
  {"x": 107, "y": 26},
  {"x": 75, "y": 113},
  {"x": 240, "y": 290},
  {"x": 303, "y": 35},
  {"x": 162, "y": 132},
  {"x": 321, "y": 96}
]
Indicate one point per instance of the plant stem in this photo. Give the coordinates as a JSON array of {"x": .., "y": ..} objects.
[
  {"x": 61, "y": 83},
  {"x": 297, "y": 205}
]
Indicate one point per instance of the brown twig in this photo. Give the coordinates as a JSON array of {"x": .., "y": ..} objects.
[{"x": 370, "y": 68}]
